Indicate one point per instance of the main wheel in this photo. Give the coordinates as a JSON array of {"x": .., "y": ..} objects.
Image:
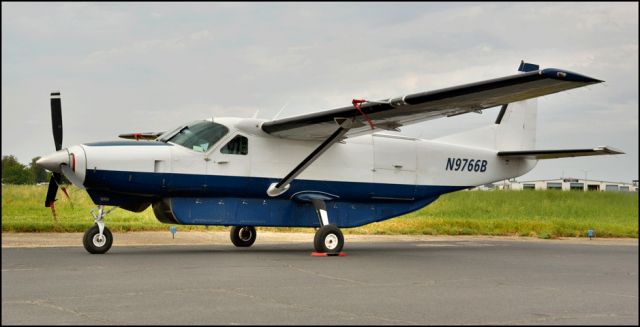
[
  {"x": 328, "y": 239},
  {"x": 243, "y": 236},
  {"x": 96, "y": 244}
]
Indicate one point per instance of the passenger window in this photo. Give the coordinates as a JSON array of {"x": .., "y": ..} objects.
[{"x": 239, "y": 145}]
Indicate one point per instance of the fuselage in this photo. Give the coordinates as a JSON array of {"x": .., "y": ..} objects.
[{"x": 363, "y": 179}]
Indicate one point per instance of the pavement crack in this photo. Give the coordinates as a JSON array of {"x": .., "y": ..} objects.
[
  {"x": 612, "y": 294},
  {"x": 317, "y": 274},
  {"x": 262, "y": 300},
  {"x": 19, "y": 269},
  {"x": 47, "y": 304},
  {"x": 549, "y": 318}
]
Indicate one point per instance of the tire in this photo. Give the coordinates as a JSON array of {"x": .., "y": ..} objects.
[
  {"x": 243, "y": 236},
  {"x": 328, "y": 240},
  {"x": 93, "y": 244}
]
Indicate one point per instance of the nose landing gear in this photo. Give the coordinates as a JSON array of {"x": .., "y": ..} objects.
[
  {"x": 98, "y": 239},
  {"x": 95, "y": 242}
]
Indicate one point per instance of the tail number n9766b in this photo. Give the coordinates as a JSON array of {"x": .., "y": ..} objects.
[{"x": 465, "y": 164}]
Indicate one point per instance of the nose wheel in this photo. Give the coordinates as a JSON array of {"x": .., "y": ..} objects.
[
  {"x": 95, "y": 242},
  {"x": 98, "y": 238}
]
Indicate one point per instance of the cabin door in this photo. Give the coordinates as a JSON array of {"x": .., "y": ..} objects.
[{"x": 394, "y": 168}]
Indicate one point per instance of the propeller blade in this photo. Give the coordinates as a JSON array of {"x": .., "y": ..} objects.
[
  {"x": 56, "y": 179},
  {"x": 53, "y": 212},
  {"x": 71, "y": 176},
  {"x": 56, "y": 119},
  {"x": 51, "y": 192},
  {"x": 64, "y": 190}
]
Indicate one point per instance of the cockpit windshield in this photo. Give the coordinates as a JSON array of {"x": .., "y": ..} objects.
[{"x": 198, "y": 136}]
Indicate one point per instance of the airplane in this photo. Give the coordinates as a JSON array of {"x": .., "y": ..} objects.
[{"x": 326, "y": 170}]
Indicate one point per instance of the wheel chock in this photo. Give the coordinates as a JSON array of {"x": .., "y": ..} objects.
[{"x": 323, "y": 254}]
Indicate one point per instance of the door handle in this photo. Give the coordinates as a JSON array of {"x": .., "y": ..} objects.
[
  {"x": 397, "y": 166},
  {"x": 221, "y": 162}
]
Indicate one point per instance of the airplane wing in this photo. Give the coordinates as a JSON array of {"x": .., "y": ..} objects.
[
  {"x": 141, "y": 136},
  {"x": 389, "y": 114},
  {"x": 554, "y": 154}
]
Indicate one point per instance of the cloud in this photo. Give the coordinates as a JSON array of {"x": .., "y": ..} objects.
[
  {"x": 147, "y": 48},
  {"x": 140, "y": 66}
]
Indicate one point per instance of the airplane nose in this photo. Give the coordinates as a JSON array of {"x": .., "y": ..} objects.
[{"x": 53, "y": 161}]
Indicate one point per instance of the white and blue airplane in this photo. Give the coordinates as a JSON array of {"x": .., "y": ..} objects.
[{"x": 326, "y": 170}]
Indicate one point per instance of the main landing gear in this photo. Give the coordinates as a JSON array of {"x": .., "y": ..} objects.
[
  {"x": 98, "y": 238},
  {"x": 243, "y": 236},
  {"x": 327, "y": 241},
  {"x": 328, "y": 238}
]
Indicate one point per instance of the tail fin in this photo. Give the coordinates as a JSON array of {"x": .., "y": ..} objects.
[
  {"x": 514, "y": 134},
  {"x": 517, "y": 128},
  {"x": 514, "y": 128}
]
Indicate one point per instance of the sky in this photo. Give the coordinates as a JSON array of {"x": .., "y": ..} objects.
[{"x": 141, "y": 67}]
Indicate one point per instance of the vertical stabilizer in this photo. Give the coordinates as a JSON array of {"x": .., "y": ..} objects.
[{"x": 517, "y": 129}]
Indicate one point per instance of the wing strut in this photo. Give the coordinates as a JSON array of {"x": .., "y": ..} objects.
[{"x": 276, "y": 189}]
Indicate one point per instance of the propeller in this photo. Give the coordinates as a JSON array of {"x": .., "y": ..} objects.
[
  {"x": 53, "y": 189},
  {"x": 56, "y": 178},
  {"x": 56, "y": 119}
]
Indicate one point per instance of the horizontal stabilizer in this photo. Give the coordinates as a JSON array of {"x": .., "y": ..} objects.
[{"x": 554, "y": 154}]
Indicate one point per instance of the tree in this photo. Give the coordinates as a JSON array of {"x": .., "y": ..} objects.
[
  {"x": 13, "y": 172},
  {"x": 39, "y": 174}
]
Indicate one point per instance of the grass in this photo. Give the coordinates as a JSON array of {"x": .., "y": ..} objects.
[{"x": 543, "y": 214}]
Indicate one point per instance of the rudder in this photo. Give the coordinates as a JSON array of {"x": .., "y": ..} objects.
[{"x": 517, "y": 128}]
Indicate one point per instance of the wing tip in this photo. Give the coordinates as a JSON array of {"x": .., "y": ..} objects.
[
  {"x": 608, "y": 149},
  {"x": 565, "y": 75}
]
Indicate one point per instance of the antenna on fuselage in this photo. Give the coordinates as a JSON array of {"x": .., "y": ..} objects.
[{"x": 279, "y": 112}]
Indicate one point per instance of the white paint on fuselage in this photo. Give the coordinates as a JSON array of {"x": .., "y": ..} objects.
[{"x": 375, "y": 158}]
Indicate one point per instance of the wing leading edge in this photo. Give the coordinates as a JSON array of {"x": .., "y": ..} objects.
[{"x": 392, "y": 113}]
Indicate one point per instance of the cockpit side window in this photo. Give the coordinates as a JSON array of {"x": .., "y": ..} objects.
[
  {"x": 199, "y": 136},
  {"x": 238, "y": 145}
]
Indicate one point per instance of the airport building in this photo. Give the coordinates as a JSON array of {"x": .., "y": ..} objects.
[{"x": 564, "y": 184}]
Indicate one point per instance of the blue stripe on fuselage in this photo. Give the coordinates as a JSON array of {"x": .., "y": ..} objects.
[
  {"x": 234, "y": 200},
  {"x": 191, "y": 185}
]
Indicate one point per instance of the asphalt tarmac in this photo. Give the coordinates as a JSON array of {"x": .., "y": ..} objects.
[{"x": 413, "y": 280}]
